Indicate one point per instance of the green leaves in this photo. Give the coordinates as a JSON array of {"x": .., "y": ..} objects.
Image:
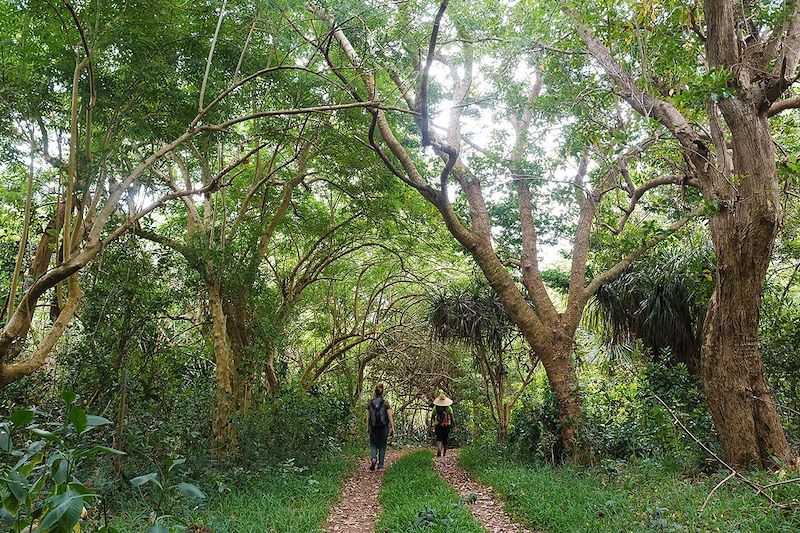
[
  {"x": 109, "y": 450},
  {"x": 94, "y": 421},
  {"x": 21, "y": 417},
  {"x": 714, "y": 85},
  {"x": 190, "y": 491},
  {"x": 5, "y": 440},
  {"x": 152, "y": 477},
  {"x": 42, "y": 481},
  {"x": 82, "y": 422},
  {"x": 65, "y": 511},
  {"x": 60, "y": 469},
  {"x": 78, "y": 419},
  {"x": 69, "y": 397},
  {"x": 18, "y": 486},
  {"x": 174, "y": 462}
]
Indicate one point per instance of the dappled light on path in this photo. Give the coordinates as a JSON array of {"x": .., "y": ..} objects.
[{"x": 485, "y": 507}]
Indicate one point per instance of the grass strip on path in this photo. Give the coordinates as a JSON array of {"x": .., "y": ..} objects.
[
  {"x": 358, "y": 506},
  {"x": 483, "y": 505},
  {"x": 636, "y": 497},
  {"x": 416, "y": 499},
  {"x": 283, "y": 499}
]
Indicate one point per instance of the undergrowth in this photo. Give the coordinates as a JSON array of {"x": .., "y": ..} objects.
[
  {"x": 640, "y": 496},
  {"x": 284, "y": 498}
]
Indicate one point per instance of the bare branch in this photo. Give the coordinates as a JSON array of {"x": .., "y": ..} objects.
[
  {"x": 222, "y": 126},
  {"x": 200, "y": 105},
  {"x": 782, "y": 105},
  {"x": 625, "y": 262},
  {"x": 637, "y": 194},
  {"x": 423, "y": 90}
]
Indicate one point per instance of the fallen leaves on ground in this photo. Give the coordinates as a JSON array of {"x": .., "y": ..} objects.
[{"x": 484, "y": 506}]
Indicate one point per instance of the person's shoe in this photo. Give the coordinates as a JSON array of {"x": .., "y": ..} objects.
[
  {"x": 372, "y": 464},
  {"x": 438, "y": 453}
]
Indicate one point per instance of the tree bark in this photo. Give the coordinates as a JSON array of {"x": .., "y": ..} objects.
[
  {"x": 238, "y": 331},
  {"x": 551, "y": 346},
  {"x": 743, "y": 232},
  {"x": 557, "y": 362},
  {"x": 225, "y": 435}
]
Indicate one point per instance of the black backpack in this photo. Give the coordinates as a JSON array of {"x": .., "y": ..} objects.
[{"x": 379, "y": 418}]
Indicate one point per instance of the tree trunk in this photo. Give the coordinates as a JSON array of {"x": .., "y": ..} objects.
[
  {"x": 743, "y": 232},
  {"x": 238, "y": 331},
  {"x": 224, "y": 432},
  {"x": 549, "y": 345},
  {"x": 121, "y": 366},
  {"x": 557, "y": 362},
  {"x": 505, "y": 423},
  {"x": 122, "y": 402},
  {"x": 269, "y": 369}
]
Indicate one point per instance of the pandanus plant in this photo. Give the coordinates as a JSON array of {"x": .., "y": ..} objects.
[
  {"x": 474, "y": 317},
  {"x": 662, "y": 301}
]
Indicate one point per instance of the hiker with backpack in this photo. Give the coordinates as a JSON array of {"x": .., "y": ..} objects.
[
  {"x": 380, "y": 426},
  {"x": 443, "y": 421}
]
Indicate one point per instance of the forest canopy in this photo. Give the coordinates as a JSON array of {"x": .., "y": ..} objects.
[{"x": 224, "y": 223}]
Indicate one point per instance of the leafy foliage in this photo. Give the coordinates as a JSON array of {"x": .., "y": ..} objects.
[
  {"x": 295, "y": 426},
  {"x": 623, "y": 420},
  {"x": 40, "y": 478},
  {"x": 661, "y": 301},
  {"x": 473, "y": 315}
]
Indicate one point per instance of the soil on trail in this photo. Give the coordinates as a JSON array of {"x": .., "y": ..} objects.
[
  {"x": 358, "y": 507},
  {"x": 483, "y": 504}
]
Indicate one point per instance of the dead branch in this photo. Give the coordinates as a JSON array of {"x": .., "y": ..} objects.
[{"x": 747, "y": 481}]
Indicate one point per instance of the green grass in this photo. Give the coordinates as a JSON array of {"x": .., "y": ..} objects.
[
  {"x": 409, "y": 487},
  {"x": 645, "y": 496},
  {"x": 282, "y": 500}
]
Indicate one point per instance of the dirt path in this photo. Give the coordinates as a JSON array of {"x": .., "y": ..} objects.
[
  {"x": 487, "y": 509},
  {"x": 358, "y": 507}
]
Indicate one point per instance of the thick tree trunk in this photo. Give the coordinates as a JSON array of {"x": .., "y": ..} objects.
[
  {"x": 550, "y": 345},
  {"x": 224, "y": 431},
  {"x": 743, "y": 232},
  {"x": 238, "y": 331},
  {"x": 557, "y": 362}
]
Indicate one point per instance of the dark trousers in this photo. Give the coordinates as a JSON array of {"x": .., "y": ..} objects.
[
  {"x": 377, "y": 444},
  {"x": 442, "y": 433}
]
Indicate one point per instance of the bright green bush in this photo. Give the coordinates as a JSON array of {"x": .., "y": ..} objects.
[{"x": 43, "y": 484}]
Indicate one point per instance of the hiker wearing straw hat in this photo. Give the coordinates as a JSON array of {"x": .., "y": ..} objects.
[{"x": 442, "y": 420}]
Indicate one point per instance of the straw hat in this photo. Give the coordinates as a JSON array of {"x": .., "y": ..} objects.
[{"x": 442, "y": 400}]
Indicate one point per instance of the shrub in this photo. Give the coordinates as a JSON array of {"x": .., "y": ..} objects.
[
  {"x": 535, "y": 427},
  {"x": 293, "y": 425},
  {"x": 622, "y": 418},
  {"x": 42, "y": 483}
]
